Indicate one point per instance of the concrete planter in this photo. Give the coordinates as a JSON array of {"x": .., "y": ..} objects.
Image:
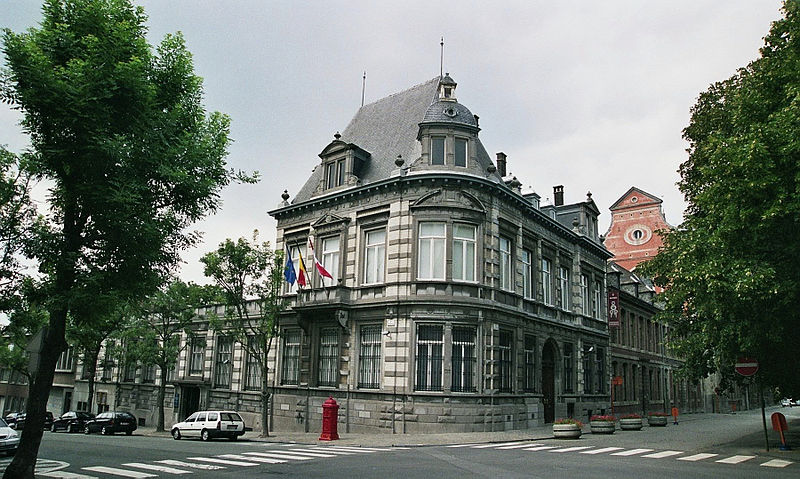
[
  {"x": 602, "y": 427},
  {"x": 632, "y": 424},
  {"x": 566, "y": 431},
  {"x": 659, "y": 421}
]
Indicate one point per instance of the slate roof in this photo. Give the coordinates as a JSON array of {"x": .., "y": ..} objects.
[
  {"x": 448, "y": 111},
  {"x": 389, "y": 127}
]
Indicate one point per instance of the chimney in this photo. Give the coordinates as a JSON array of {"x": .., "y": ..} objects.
[
  {"x": 501, "y": 164},
  {"x": 558, "y": 195}
]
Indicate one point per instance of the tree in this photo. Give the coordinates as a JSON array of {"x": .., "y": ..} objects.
[
  {"x": 155, "y": 338},
  {"x": 730, "y": 270},
  {"x": 119, "y": 130},
  {"x": 250, "y": 275}
]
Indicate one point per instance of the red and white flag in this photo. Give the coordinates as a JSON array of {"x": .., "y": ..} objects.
[{"x": 320, "y": 269}]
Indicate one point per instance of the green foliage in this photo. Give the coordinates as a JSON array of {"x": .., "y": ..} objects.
[
  {"x": 730, "y": 271},
  {"x": 26, "y": 318}
]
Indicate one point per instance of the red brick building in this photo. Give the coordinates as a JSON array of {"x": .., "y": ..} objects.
[{"x": 635, "y": 219}]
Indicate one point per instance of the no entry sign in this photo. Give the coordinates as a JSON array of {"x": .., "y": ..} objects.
[{"x": 746, "y": 366}]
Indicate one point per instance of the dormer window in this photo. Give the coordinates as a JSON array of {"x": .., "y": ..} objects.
[
  {"x": 448, "y": 92},
  {"x": 437, "y": 150},
  {"x": 334, "y": 173}
]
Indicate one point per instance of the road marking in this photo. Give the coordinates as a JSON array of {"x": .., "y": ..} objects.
[
  {"x": 663, "y": 454},
  {"x": 357, "y": 449},
  {"x": 65, "y": 475},
  {"x": 191, "y": 465},
  {"x": 462, "y": 445},
  {"x": 735, "y": 459},
  {"x": 279, "y": 455},
  {"x": 484, "y": 446},
  {"x": 539, "y": 448},
  {"x": 153, "y": 467},
  {"x": 697, "y": 457},
  {"x": 631, "y": 452},
  {"x": 601, "y": 451},
  {"x": 118, "y": 472},
  {"x": 777, "y": 463},
  {"x": 570, "y": 449},
  {"x": 217, "y": 460},
  {"x": 240, "y": 457},
  {"x": 323, "y": 454},
  {"x": 518, "y": 446}
]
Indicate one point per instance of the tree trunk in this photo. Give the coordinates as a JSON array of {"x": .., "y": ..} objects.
[
  {"x": 162, "y": 391},
  {"x": 264, "y": 403},
  {"x": 24, "y": 461},
  {"x": 92, "y": 365}
]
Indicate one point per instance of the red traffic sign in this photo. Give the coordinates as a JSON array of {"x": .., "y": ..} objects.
[{"x": 746, "y": 366}]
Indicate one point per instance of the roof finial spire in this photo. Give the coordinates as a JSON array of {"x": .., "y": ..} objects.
[
  {"x": 441, "y": 58},
  {"x": 363, "y": 86}
]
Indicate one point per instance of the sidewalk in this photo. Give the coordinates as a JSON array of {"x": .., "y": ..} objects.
[{"x": 742, "y": 432}]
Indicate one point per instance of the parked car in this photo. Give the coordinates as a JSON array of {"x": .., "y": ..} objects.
[
  {"x": 20, "y": 421},
  {"x": 71, "y": 421},
  {"x": 12, "y": 418},
  {"x": 788, "y": 402},
  {"x": 210, "y": 424},
  {"x": 9, "y": 439},
  {"x": 110, "y": 422}
]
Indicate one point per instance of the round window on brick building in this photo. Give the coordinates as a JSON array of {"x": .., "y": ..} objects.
[{"x": 638, "y": 235}]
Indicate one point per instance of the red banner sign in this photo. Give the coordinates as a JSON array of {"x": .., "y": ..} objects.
[{"x": 613, "y": 308}]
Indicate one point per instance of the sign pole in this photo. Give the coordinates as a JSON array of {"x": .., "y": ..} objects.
[{"x": 763, "y": 415}]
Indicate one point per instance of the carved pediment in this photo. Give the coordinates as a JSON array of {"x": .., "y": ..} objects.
[
  {"x": 449, "y": 199},
  {"x": 329, "y": 220}
]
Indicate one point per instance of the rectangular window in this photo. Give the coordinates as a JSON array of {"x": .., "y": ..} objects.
[
  {"x": 600, "y": 367},
  {"x": 505, "y": 362},
  {"x": 149, "y": 374},
  {"x": 563, "y": 283},
  {"x": 108, "y": 362},
  {"x": 547, "y": 285},
  {"x": 461, "y": 152},
  {"x": 506, "y": 271},
  {"x": 530, "y": 363},
  {"x": 429, "y": 358},
  {"x": 330, "y": 259},
  {"x": 464, "y": 252},
  {"x": 527, "y": 274},
  {"x": 437, "y": 150},
  {"x": 463, "y": 359},
  {"x": 295, "y": 252},
  {"x": 130, "y": 371},
  {"x": 334, "y": 174},
  {"x": 290, "y": 362},
  {"x": 431, "y": 251},
  {"x": 65, "y": 360},
  {"x": 196, "y": 354},
  {"x": 252, "y": 380},
  {"x": 328, "y": 372},
  {"x": 569, "y": 369},
  {"x": 597, "y": 302},
  {"x": 588, "y": 366},
  {"x": 585, "y": 295},
  {"x": 340, "y": 172},
  {"x": 375, "y": 257},
  {"x": 369, "y": 357},
  {"x": 222, "y": 370}
]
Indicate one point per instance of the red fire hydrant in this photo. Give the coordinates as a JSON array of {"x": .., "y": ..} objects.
[{"x": 330, "y": 416}]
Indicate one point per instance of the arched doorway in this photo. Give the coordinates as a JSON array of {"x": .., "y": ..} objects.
[{"x": 549, "y": 381}]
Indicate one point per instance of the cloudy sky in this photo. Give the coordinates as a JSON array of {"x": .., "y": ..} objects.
[{"x": 589, "y": 95}]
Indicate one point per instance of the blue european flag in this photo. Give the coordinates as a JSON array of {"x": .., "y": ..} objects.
[{"x": 289, "y": 273}]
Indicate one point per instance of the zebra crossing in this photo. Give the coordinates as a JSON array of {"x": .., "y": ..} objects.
[
  {"x": 624, "y": 452},
  {"x": 189, "y": 465}
]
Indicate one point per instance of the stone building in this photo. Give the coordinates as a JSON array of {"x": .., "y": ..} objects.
[{"x": 456, "y": 302}]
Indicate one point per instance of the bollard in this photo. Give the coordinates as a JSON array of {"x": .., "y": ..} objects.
[
  {"x": 779, "y": 424},
  {"x": 330, "y": 416}
]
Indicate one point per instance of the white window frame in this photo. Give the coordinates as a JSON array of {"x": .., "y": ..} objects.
[
  {"x": 330, "y": 258},
  {"x": 527, "y": 273},
  {"x": 563, "y": 280},
  {"x": 506, "y": 270},
  {"x": 429, "y": 265},
  {"x": 546, "y": 280},
  {"x": 585, "y": 295},
  {"x": 374, "y": 256},
  {"x": 597, "y": 299},
  {"x": 464, "y": 252}
]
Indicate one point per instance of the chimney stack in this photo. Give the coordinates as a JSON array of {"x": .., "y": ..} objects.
[
  {"x": 501, "y": 164},
  {"x": 558, "y": 195}
]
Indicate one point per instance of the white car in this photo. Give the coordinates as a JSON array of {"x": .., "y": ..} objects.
[
  {"x": 787, "y": 402},
  {"x": 9, "y": 439},
  {"x": 210, "y": 424}
]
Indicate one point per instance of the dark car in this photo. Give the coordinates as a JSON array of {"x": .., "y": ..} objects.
[
  {"x": 71, "y": 421},
  {"x": 111, "y": 422},
  {"x": 20, "y": 422}
]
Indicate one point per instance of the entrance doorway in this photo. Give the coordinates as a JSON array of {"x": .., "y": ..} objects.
[
  {"x": 549, "y": 381},
  {"x": 190, "y": 402}
]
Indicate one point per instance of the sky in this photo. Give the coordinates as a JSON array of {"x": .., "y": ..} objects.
[{"x": 589, "y": 95}]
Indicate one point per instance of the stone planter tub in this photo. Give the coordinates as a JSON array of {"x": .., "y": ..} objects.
[
  {"x": 658, "y": 421},
  {"x": 630, "y": 424},
  {"x": 602, "y": 427},
  {"x": 566, "y": 431}
]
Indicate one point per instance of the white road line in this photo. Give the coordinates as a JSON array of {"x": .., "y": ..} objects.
[
  {"x": 484, "y": 446},
  {"x": 570, "y": 449},
  {"x": 279, "y": 455},
  {"x": 518, "y": 446},
  {"x": 539, "y": 448},
  {"x": 697, "y": 457},
  {"x": 324, "y": 454},
  {"x": 358, "y": 449},
  {"x": 663, "y": 454},
  {"x": 263, "y": 460},
  {"x": 217, "y": 460},
  {"x": 462, "y": 445},
  {"x": 777, "y": 463},
  {"x": 190, "y": 465},
  {"x": 601, "y": 451},
  {"x": 65, "y": 475},
  {"x": 630, "y": 452},
  {"x": 118, "y": 472},
  {"x": 154, "y": 467},
  {"x": 735, "y": 459}
]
